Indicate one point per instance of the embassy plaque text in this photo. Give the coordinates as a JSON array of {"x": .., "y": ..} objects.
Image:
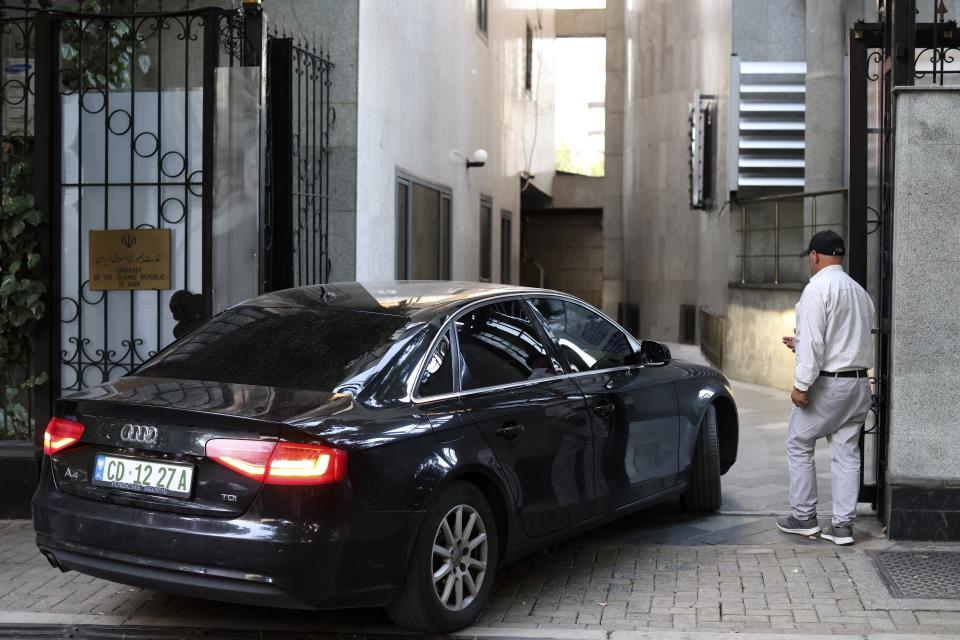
[{"x": 129, "y": 259}]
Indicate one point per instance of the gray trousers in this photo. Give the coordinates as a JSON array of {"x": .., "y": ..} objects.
[{"x": 837, "y": 410}]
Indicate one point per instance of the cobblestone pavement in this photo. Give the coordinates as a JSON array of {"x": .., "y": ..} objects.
[
  {"x": 807, "y": 586},
  {"x": 657, "y": 570}
]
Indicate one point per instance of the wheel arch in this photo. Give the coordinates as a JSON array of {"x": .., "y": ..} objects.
[
  {"x": 728, "y": 431},
  {"x": 486, "y": 481}
]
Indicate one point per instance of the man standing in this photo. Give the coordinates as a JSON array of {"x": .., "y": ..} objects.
[{"x": 831, "y": 393}]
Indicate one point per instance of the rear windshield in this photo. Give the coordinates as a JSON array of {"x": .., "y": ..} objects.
[{"x": 294, "y": 348}]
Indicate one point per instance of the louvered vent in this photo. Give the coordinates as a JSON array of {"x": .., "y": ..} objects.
[{"x": 767, "y": 132}]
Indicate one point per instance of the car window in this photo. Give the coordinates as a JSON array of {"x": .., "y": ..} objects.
[
  {"x": 290, "y": 347},
  {"x": 499, "y": 344},
  {"x": 588, "y": 340},
  {"x": 437, "y": 376}
]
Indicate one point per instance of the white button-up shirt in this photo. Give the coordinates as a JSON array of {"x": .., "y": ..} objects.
[{"x": 834, "y": 319}]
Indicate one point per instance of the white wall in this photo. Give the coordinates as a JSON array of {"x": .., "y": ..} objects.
[
  {"x": 429, "y": 84},
  {"x": 672, "y": 254}
]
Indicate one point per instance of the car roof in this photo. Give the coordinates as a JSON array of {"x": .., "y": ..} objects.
[{"x": 415, "y": 299}]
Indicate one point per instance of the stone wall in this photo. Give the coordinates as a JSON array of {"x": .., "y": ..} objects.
[
  {"x": 756, "y": 319},
  {"x": 672, "y": 255},
  {"x": 569, "y": 247},
  {"x": 615, "y": 102},
  {"x": 923, "y": 472}
]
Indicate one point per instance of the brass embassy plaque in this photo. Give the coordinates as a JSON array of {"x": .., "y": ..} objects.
[{"x": 129, "y": 259}]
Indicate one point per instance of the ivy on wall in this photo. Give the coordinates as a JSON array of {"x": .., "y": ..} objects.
[
  {"x": 95, "y": 54},
  {"x": 100, "y": 54},
  {"x": 21, "y": 289}
]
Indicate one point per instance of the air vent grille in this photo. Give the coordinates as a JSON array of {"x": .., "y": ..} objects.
[{"x": 767, "y": 130}]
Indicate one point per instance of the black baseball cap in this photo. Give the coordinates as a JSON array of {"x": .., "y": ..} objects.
[{"x": 826, "y": 243}]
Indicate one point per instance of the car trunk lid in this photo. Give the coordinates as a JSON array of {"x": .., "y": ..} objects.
[{"x": 162, "y": 427}]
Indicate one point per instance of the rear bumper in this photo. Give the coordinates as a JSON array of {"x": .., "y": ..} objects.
[
  {"x": 356, "y": 561},
  {"x": 192, "y": 581}
]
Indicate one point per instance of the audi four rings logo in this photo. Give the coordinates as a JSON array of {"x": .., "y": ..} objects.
[{"x": 139, "y": 433}]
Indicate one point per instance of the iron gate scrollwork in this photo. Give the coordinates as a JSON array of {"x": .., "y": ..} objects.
[
  {"x": 133, "y": 109},
  {"x": 300, "y": 118},
  {"x": 118, "y": 107}
]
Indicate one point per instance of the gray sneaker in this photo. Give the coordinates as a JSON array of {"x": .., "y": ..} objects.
[
  {"x": 840, "y": 534},
  {"x": 789, "y": 524}
]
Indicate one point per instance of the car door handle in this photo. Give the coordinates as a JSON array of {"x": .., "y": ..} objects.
[
  {"x": 604, "y": 408},
  {"x": 510, "y": 431}
]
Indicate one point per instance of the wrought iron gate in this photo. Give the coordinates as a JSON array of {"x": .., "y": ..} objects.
[
  {"x": 897, "y": 51},
  {"x": 19, "y": 137},
  {"x": 115, "y": 112},
  {"x": 133, "y": 108},
  {"x": 300, "y": 118},
  {"x": 119, "y": 110}
]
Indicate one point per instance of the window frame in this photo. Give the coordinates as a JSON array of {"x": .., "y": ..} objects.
[
  {"x": 506, "y": 252},
  {"x": 528, "y": 43},
  {"x": 444, "y": 226},
  {"x": 483, "y": 20},
  {"x": 486, "y": 252}
]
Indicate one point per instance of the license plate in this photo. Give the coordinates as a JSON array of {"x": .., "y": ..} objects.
[{"x": 144, "y": 476}]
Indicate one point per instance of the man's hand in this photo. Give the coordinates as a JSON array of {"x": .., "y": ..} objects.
[
  {"x": 790, "y": 342},
  {"x": 799, "y": 398}
]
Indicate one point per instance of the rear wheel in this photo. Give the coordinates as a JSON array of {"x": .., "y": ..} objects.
[
  {"x": 451, "y": 573},
  {"x": 703, "y": 492}
]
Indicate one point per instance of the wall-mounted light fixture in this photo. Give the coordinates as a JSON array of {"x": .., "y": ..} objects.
[{"x": 477, "y": 159}]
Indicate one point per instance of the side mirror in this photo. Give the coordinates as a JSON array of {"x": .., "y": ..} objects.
[{"x": 653, "y": 354}]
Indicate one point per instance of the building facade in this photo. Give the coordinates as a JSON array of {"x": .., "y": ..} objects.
[{"x": 421, "y": 86}]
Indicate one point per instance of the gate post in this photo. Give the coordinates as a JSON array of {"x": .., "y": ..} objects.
[
  {"x": 279, "y": 246},
  {"x": 211, "y": 59},
  {"x": 857, "y": 159},
  {"x": 46, "y": 189}
]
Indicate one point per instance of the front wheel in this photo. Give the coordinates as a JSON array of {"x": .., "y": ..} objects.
[
  {"x": 703, "y": 492},
  {"x": 453, "y": 566}
]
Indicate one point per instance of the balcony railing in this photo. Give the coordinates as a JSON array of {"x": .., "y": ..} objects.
[{"x": 776, "y": 227}]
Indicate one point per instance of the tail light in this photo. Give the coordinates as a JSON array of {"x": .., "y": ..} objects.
[
  {"x": 60, "y": 434},
  {"x": 283, "y": 463},
  {"x": 306, "y": 464},
  {"x": 246, "y": 457}
]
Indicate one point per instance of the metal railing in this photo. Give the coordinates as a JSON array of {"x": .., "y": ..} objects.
[
  {"x": 712, "y": 332},
  {"x": 762, "y": 235}
]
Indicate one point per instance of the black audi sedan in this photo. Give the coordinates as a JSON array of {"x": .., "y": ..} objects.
[{"x": 375, "y": 444}]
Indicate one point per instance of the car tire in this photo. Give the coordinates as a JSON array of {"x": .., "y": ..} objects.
[
  {"x": 703, "y": 492},
  {"x": 429, "y": 604}
]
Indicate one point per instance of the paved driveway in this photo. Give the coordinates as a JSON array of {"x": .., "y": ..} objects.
[{"x": 659, "y": 569}]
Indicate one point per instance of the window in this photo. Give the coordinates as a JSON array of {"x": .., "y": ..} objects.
[
  {"x": 587, "y": 339},
  {"x": 499, "y": 344},
  {"x": 486, "y": 239},
  {"x": 437, "y": 377},
  {"x": 528, "y": 60},
  {"x": 287, "y": 347},
  {"x": 483, "y": 16},
  {"x": 506, "y": 245},
  {"x": 423, "y": 230}
]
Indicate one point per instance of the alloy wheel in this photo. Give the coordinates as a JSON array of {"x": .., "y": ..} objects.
[{"x": 459, "y": 559}]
